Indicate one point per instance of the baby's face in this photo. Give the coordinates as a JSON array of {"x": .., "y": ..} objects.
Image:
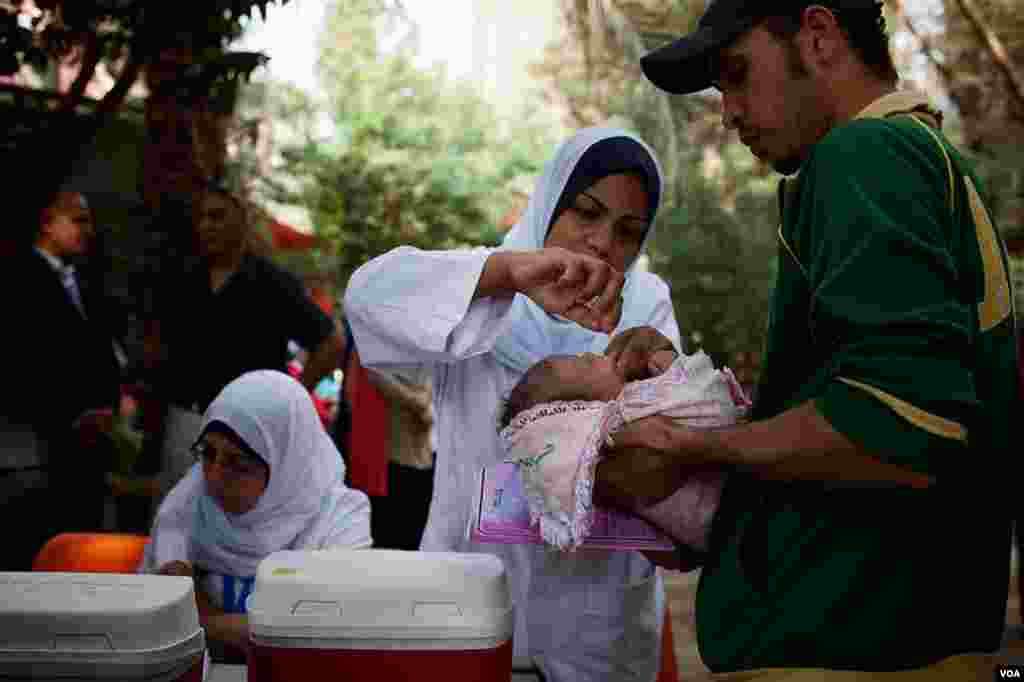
[{"x": 590, "y": 376}]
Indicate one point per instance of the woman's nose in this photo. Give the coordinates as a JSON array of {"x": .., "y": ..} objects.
[
  {"x": 602, "y": 237},
  {"x": 214, "y": 471}
]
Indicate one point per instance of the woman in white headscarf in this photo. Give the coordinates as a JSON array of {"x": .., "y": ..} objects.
[
  {"x": 564, "y": 279},
  {"x": 267, "y": 478}
]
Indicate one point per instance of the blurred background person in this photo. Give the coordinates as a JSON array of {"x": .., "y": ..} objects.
[
  {"x": 400, "y": 516},
  {"x": 234, "y": 312},
  {"x": 60, "y": 408}
]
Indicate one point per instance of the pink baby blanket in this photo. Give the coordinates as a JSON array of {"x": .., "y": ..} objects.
[{"x": 557, "y": 447}]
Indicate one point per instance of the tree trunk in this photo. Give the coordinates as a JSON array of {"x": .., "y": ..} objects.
[{"x": 996, "y": 49}]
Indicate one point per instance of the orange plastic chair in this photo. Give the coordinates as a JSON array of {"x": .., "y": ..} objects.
[
  {"x": 91, "y": 553},
  {"x": 669, "y": 669}
]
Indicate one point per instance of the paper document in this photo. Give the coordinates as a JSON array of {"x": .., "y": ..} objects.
[{"x": 502, "y": 515}]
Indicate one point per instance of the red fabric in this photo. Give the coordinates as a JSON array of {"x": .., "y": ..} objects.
[
  {"x": 287, "y": 238},
  {"x": 323, "y": 298},
  {"x": 669, "y": 670},
  {"x": 369, "y": 440},
  {"x": 323, "y": 407}
]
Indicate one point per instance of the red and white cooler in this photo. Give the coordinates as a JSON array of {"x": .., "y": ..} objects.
[
  {"x": 381, "y": 615},
  {"x": 99, "y": 626}
]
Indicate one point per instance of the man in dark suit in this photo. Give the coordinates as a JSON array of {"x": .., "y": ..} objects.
[{"x": 59, "y": 408}]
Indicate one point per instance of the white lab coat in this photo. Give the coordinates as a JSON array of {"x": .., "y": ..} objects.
[{"x": 592, "y": 615}]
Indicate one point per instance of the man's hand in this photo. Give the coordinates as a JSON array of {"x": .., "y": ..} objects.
[
  {"x": 664, "y": 435},
  {"x": 322, "y": 360},
  {"x": 672, "y": 561},
  {"x": 182, "y": 568},
  {"x": 647, "y": 461},
  {"x": 664, "y": 559},
  {"x": 641, "y": 352},
  {"x": 637, "y": 478},
  {"x": 581, "y": 288}
]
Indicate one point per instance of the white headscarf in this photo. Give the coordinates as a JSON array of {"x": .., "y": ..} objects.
[
  {"x": 533, "y": 334},
  {"x": 305, "y": 504}
]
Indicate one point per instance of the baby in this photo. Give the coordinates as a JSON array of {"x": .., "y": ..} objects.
[{"x": 565, "y": 408}]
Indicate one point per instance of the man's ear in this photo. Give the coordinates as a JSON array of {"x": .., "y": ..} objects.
[{"x": 821, "y": 39}]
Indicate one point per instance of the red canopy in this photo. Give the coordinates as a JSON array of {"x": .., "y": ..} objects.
[{"x": 287, "y": 238}]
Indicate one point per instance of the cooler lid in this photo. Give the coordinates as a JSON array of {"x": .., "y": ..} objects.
[
  {"x": 380, "y": 594},
  {"x": 96, "y": 613}
]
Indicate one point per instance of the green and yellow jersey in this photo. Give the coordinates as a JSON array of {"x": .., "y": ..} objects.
[{"x": 893, "y": 313}]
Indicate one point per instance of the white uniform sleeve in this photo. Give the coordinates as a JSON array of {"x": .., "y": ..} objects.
[
  {"x": 169, "y": 541},
  {"x": 416, "y": 307},
  {"x": 353, "y": 530}
]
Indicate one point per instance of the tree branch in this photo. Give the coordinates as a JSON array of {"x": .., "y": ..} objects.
[
  {"x": 996, "y": 49},
  {"x": 945, "y": 73}
]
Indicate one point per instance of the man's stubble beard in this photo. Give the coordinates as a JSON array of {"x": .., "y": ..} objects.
[{"x": 808, "y": 120}]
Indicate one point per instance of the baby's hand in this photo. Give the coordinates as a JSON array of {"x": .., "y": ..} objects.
[{"x": 661, "y": 361}]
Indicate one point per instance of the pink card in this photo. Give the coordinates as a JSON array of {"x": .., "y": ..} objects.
[{"x": 502, "y": 516}]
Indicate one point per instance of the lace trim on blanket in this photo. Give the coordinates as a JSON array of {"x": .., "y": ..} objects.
[
  {"x": 567, "y": 531},
  {"x": 611, "y": 421},
  {"x": 552, "y": 409}
]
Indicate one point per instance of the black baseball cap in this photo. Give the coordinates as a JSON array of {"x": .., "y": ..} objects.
[{"x": 685, "y": 65}]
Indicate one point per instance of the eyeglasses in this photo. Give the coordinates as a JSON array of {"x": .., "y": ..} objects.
[{"x": 240, "y": 465}]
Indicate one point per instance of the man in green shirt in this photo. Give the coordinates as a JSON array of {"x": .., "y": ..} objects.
[{"x": 865, "y": 524}]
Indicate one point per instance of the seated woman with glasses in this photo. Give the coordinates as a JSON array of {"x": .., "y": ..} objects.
[{"x": 267, "y": 477}]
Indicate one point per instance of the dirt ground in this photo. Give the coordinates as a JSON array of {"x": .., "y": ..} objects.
[{"x": 681, "y": 589}]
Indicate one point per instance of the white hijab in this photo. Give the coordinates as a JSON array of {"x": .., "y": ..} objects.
[
  {"x": 533, "y": 334},
  {"x": 305, "y": 504}
]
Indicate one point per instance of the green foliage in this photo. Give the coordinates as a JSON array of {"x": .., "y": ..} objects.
[
  {"x": 720, "y": 266},
  {"x": 413, "y": 158},
  {"x": 116, "y": 26},
  {"x": 133, "y": 36},
  {"x": 1001, "y": 171}
]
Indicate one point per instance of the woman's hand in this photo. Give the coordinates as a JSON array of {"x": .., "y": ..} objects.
[
  {"x": 641, "y": 352},
  {"x": 580, "y": 288}
]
